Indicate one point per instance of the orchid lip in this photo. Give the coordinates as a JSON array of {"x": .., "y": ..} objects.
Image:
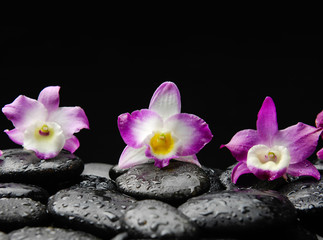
[{"x": 268, "y": 158}]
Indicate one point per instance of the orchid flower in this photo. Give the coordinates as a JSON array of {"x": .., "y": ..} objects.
[
  {"x": 270, "y": 153},
  {"x": 319, "y": 124},
  {"x": 44, "y": 127},
  {"x": 162, "y": 132}
]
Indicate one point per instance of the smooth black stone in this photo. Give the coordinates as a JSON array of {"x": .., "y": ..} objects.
[
  {"x": 307, "y": 197},
  {"x": 49, "y": 233},
  {"x": 115, "y": 172},
  {"x": 214, "y": 176},
  {"x": 231, "y": 213},
  {"x": 19, "y": 165},
  {"x": 19, "y": 190},
  {"x": 249, "y": 181},
  {"x": 155, "y": 219},
  {"x": 3, "y": 236},
  {"x": 95, "y": 183},
  {"x": 173, "y": 184},
  {"x": 319, "y": 165},
  {"x": 19, "y": 212},
  {"x": 94, "y": 211},
  {"x": 97, "y": 169}
]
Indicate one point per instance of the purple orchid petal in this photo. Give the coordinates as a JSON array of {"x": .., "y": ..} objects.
[
  {"x": 300, "y": 139},
  {"x": 166, "y": 100},
  {"x": 131, "y": 157},
  {"x": 49, "y": 97},
  {"x": 193, "y": 133},
  {"x": 240, "y": 169},
  {"x": 161, "y": 163},
  {"x": 303, "y": 168},
  {"x": 241, "y": 142},
  {"x": 16, "y": 136},
  {"x": 72, "y": 144},
  {"x": 319, "y": 154},
  {"x": 71, "y": 119},
  {"x": 189, "y": 159},
  {"x": 267, "y": 125},
  {"x": 23, "y": 110},
  {"x": 319, "y": 120},
  {"x": 135, "y": 127}
]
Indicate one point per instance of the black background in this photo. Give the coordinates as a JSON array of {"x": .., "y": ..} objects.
[{"x": 223, "y": 78}]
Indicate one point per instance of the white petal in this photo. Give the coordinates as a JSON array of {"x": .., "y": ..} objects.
[
  {"x": 132, "y": 156},
  {"x": 44, "y": 146}
]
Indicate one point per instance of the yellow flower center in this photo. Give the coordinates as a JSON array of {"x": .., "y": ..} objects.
[{"x": 162, "y": 143}]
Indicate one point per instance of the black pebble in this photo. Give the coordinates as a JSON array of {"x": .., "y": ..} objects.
[
  {"x": 307, "y": 197},
  {"x": 19, "y": 165},
  {"x": 173, "y": 184},
  {"x": 95, "y": 211},
  {"x": 19, "y": 190},
  {"x": 19, "y": 212},
  {"x": 214, "y": 176},
  {"x": 115, "y": 172},
  {"x": 155, "y": 219},
  {"x": 3, "y": 236},
  {"x": 97, "y": 169},
  {"x": 49, "y": 233},
  {"x": 95, "y": 183},
  {"x": 232, "y": 213}
]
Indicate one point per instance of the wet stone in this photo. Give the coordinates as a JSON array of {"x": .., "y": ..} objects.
[
  {"x": 214, "y": 176},
  {"x": 307, "y": 197},
  {"x": 245, "y": 212},
  {"x": 3, "y": 236},
  {"x": 173, "y": 184},
  {"x": 19, "y": 190},
  {"x": 115, "y": 172},
  {"x": 19, "y": 165},
  {"x": 319, "y": 165},
  {"x": 19, "y": 212},
  {"x": 94, "y": 211},
  {"x": 157, "y": 220},
  {"x": 50, "y": 233},
  {"x": 95, "y": 183},
  {"x": 97, "y": 169}
]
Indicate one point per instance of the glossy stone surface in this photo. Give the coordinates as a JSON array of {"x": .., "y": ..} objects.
[
  {"x": 94, "y": 211},
  {"x": 240, "y": 212},
  {"x": 97, "y": 169},
  {"x": 49, "y": 233},
  {"x": 19, "y": 190},
  {"x": 214, "y": 176},
  {"x": 19, "y": 165},
  {"x": 115, "y": 172},
  {"x": 157, "y": 220},
  {"x": 19, "y": 212},
  {"x": 174, "y": 184},
  {"x": 95, "y": 183}
]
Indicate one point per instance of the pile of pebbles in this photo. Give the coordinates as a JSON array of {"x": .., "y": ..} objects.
[{"x": 62, "y": 198}]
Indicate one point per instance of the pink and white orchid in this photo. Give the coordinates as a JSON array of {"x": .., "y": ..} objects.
[
  {"x": 162, "y": 132},
  {"x": 319, "y": 124},
  {"x": 44, "y": 127},
  {"x": 270, "y": 153}
]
